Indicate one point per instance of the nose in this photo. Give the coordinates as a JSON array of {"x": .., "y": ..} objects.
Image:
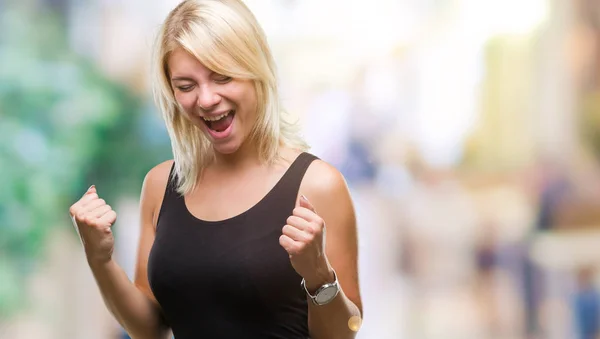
[{"x": 208, "y": 98}]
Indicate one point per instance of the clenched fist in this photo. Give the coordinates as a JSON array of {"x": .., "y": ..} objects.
[
  {"x": 93, "y": 219},
  {"x": 303, "y": 239}
]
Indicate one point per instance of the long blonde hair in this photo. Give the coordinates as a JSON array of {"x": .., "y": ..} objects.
[{"x": 226, "y": 38}]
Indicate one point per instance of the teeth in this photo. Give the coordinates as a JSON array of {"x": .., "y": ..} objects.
[{"x": 218, "y": 117}]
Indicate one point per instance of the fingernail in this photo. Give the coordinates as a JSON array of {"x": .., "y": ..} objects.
[
  {"x": 303, "y": 197},
  {"x": 93, "y": 186}
]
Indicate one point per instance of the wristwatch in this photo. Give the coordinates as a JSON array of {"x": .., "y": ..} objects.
[{"x": 324, "y": 294}]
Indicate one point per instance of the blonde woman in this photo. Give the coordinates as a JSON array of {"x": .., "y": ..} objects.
[{"x": 233, "y": 229}]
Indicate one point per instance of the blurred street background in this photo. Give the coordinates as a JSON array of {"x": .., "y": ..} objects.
[{"x": 468, "y": 132}]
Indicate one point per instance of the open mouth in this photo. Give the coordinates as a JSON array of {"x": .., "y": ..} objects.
[{"x": 221, "y": 122}]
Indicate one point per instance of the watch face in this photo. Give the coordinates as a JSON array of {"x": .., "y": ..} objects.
[{"x": 326, "y": 294}]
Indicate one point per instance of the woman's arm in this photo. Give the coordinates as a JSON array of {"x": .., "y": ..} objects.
[
  {"x": 133, "y": 304},
  {"x": 326, "y": 189}
]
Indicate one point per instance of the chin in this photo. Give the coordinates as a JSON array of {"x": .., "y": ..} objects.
[{"x": 227, "y": 148}]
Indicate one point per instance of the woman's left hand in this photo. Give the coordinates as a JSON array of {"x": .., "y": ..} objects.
[{"x": 304, "y": 240}]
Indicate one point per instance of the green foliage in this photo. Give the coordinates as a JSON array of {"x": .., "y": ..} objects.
[{"x": 63, "y": 126}]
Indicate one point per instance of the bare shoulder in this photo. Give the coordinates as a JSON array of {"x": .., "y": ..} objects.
[
  {"x": 327, "y": 190},
  {"x": 153, "y": 190},
  {"x": 154, "y": 186},
  {"x": 159, "y": 174},
  {"x": 323, "y": 181}
]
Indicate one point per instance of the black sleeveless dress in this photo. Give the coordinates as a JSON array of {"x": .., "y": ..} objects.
[{"x": 230, "y": 278}]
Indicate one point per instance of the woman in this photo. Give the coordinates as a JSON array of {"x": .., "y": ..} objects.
[{"x": 233, "y": 230}]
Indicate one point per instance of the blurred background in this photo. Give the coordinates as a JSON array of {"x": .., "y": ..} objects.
[{"x": 468, "y": 131}]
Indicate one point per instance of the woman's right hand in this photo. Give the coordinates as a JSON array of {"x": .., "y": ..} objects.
[{"x": 93, "y": 219}]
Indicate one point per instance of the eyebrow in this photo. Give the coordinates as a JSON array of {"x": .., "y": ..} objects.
[{"x": 181, "y": 78}]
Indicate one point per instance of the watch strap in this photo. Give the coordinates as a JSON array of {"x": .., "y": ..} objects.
[{"x": 327, "y": 285}]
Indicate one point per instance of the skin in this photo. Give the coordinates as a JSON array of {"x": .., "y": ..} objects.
[{"x": 201, "y": 93}]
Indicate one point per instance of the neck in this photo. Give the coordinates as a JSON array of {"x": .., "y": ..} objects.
[{"x": 246, "y": 155}]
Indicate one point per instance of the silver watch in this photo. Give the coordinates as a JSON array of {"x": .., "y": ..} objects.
[{"x": 324, "y": 294}]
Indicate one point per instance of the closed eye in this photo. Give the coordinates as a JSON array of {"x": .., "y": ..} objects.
[
  {"x": 222, "y": 79},
  {"x": 186, "y": 88}
]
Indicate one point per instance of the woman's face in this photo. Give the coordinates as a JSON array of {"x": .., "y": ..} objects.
[{"x": 224, "y": 108}]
